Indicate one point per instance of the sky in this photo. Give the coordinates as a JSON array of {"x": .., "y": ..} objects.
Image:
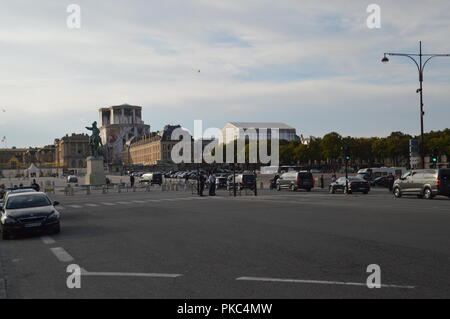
[{"x": 314, "y": 65}]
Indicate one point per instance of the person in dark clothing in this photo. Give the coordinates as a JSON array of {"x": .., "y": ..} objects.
[
  {"x": 212, "y": 185},
  {"x": 36, "y": 186},
  {"x": 132, "y": 180},
  {"x": 202, "y": 184},
  {"x": 322, "y": 183},
  {"x": 391, "y": 180}
]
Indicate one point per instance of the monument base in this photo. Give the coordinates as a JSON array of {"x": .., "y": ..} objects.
[{"x": 95, "y": 173}]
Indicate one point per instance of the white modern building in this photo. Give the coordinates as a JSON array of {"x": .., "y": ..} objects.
[{"x": 246, "y": 130}]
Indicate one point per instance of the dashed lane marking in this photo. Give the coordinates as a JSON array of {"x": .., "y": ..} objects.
[
  {"x": 61, "y": 254},
  {"x": 128, "y": 274},
  {"x": 48, "y": 240},
  {"x": 318, "y": 282}
]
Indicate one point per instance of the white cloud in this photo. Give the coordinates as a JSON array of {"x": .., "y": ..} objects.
[{"x": 302, "y": 60}]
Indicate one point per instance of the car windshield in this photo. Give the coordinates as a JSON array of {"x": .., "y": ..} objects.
[{"x": 27, "y": 201}]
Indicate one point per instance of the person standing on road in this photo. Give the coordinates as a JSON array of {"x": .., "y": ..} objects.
[
  {"x": 35, "y": 186},
  {"x": 391, "y": 180},
  {"x": 202, "y": 184},
  {"x": 212, "y": 185},
  {"x": 132, "y": 180}
]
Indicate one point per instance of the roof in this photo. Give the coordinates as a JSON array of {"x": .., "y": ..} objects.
[{"x": 246, "y": 125}]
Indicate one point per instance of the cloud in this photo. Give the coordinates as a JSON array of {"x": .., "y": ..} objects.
[{"x": 314, "y": 65}]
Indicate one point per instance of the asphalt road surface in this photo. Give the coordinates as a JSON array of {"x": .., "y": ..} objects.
[{"x": 276, "y": 245}]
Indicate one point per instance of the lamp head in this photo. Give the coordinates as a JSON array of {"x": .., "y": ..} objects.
[{"x": 385, "y": 59}]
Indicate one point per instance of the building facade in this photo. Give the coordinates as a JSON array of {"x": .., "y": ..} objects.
[
  {"x": 118, "y": 125},
  {"x": 237, "y": 130},
  {"x": 151, "y": 149},
  {"x": 71, "y": 151}
]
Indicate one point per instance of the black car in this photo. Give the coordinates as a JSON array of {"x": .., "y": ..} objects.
[
  {"x": 354, "y": 184},
  {"x": 243, "y": 181},
  {"x": 28, "y": 212}
]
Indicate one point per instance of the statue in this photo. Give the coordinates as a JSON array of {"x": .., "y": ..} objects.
[{"x": 95, "y": 141}]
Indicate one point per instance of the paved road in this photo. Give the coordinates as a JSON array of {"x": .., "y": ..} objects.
[{"x": 277, "y": 245}]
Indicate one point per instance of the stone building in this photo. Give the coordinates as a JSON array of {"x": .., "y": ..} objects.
[
  {"x": 151, "y": 149},
  {"x": 119, "y": 124},
  {"x": 71, "y": 151}
]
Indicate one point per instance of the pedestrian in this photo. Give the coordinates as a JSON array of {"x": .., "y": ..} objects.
[
  {"x": 2, "y": 191},
  {"x": 391, "y": 180},
  {"x": 35, "y": 186},
  {"x": 212, "y": 185},
  {"x": 132, "y": 180},
  {"x": 333, "y": 178},
  {"x": 322, "y": 185},
  {"x": 202, "y": 184}
]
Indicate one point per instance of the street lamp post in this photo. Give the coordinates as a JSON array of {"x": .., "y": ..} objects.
[{"x": 420, "y": 67}]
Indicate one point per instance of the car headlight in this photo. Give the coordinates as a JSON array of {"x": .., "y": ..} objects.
[
  {"x": 53, "y": 216},
  {"x": 10, "y": 221}
]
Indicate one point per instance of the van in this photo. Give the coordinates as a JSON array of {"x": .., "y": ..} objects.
[
  {"x": 296, "y": 180},
  {"x": 152, "y": 178},
  {"x": 424, "y": 183}
]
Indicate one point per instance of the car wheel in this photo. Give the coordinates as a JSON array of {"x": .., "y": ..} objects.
[
  {"x": 427, "y": 194},
  {"x": 397, "y": 192}
]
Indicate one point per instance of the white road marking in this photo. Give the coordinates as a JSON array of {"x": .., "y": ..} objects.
[
  {"x": 123, "y": 203},
  {"x": 318, "y": 282},
  {"x": 91, "y": 205},
  {"x": 48, "y": 240},
  {"x": 139, "y": 201},
  {"x": 61, "y": 208},
  {"x": 61, "y": 254},
  {"x": 128, "y": 274},
  {"x": 108, "y": 204},
  {"x": 75, "y": 206},
  {"x": 153, "y": 200}
]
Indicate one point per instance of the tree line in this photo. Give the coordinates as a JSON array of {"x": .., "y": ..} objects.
[{"x": 372, "y": 151}]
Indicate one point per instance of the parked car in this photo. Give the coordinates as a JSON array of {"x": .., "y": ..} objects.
[
  {"x": 242, "y": 181},
  {"x": 354, "y": 184},
  {"x": 295, "y": 180},
  {"x": 221, "y": 181},
  {"x": 28, "y": 212},
  {"x": 426, "y": 183},
  {"x": 152, "y": 178},
  {"x": 72, "y": 179}
]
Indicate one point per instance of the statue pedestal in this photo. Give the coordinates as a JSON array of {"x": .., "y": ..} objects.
[{"x": 95, "y": 174}]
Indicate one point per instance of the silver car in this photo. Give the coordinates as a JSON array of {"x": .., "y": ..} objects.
[
  {"x": 424, "y": 183},
  {"x": 28, "y": 212}
]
